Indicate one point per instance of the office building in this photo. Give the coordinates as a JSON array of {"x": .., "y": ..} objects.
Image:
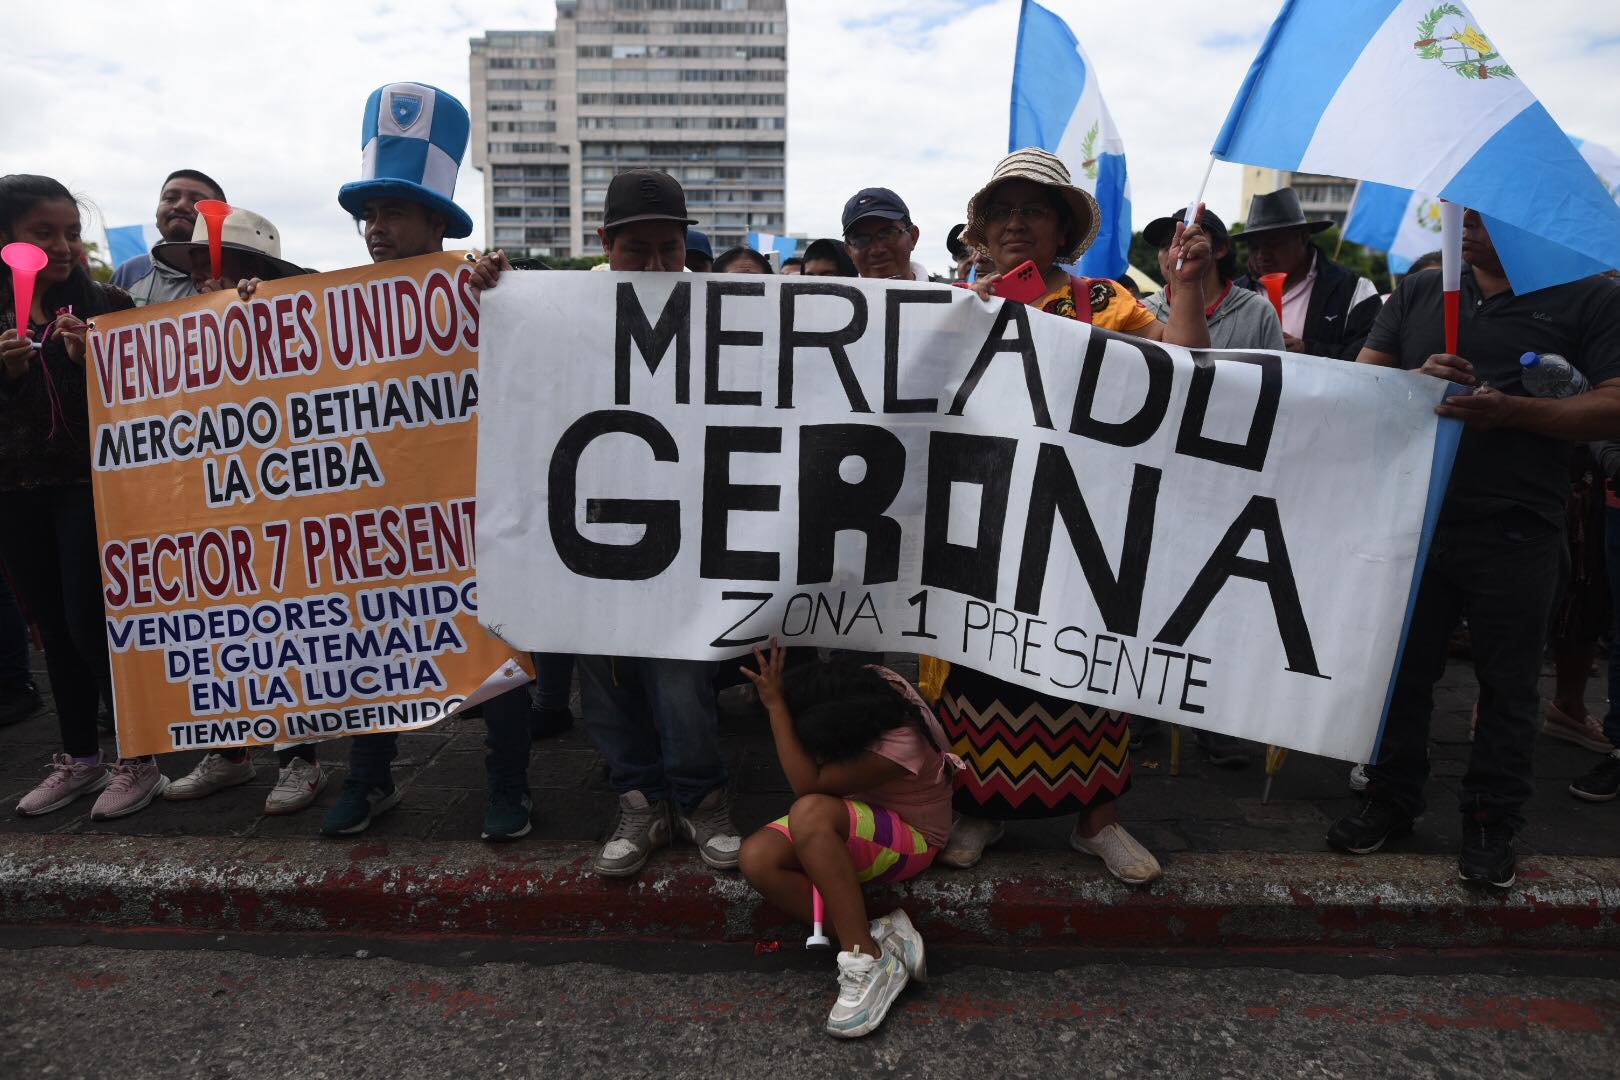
[{"x": 696, "y": 88}]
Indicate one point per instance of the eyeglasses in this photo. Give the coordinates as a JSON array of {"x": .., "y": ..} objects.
[
  {"x": 999, "y": 214},
  {"x": 885, "y": 236}
]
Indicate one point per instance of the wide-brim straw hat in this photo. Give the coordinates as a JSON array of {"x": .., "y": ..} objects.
[
  {"x": 244, "y": 231},
  {"x": 1040, "y": 167}
]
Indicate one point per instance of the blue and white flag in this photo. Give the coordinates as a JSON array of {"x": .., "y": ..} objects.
[
  {"x": 765, "y": 243},
  {"x": 1057, "y": 105},
  {"x": 1411, "y": 93},
  {"x": 1397, "y": 221},
  {"x": 124, "y": 242},
  {"x": 1406, "y": 224},
  {"x": 1604, "y": 162}
]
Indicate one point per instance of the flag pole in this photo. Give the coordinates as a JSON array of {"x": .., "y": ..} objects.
[
  {"x": 1451, "y": 215},
  {"x": 1348, "y": 214},
  {"x": 1192, "y": 207}
]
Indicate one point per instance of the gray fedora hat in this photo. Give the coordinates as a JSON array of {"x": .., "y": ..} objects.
[{"x": 1278, "y": 210}]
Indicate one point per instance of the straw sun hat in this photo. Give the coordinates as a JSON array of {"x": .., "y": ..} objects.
[{"x": 1042, "y": 168}]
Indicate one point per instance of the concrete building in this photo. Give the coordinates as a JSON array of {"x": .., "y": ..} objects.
[
  {"x": 1320, "y": 196},
  {"x": 697, "y": 88}
]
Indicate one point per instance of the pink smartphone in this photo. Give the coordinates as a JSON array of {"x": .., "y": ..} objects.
[{"x": 1023, "y": 283}]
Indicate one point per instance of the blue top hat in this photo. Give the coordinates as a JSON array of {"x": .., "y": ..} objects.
[{"x": 412, "y": 141}]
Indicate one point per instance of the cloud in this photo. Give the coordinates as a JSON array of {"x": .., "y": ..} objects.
[{"x": 879, "y": 92}]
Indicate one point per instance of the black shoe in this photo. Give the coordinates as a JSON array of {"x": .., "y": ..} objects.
[
  {"x": 19, "y": 701},
  {"x": 1144, "y": 729},
  {"x": 509, "y": 814},
  {"x": 1602, "y": 784},
  {"x": 740, "y": 702},
  {"x": 1223, "y": 750},
  {"x": 1366, "y": 830},
  {"x": 549, "y": 723},
  {"x": 1487, "y": 856}
]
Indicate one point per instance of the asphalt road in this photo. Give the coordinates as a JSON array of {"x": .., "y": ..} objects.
[{"x": 97, "y": 1011}]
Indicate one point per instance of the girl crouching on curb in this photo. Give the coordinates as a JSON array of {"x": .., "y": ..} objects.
[{"x": 866, "y": 761}]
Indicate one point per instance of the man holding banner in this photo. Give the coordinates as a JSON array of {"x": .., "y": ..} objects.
[
  {"x": 653, "y": 719},
  {"x": 1499, "y": 552},
  {"x": 880, "y": 236}
]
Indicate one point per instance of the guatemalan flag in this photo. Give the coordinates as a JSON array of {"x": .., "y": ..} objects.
[
  {"x": 1058, "y": 107},
  {"x": 125, "y": 242},
  {"x": 1412, "y": 94},
  {"x": 1406, "y": 224},
  {"x": 765, "y": 243}
]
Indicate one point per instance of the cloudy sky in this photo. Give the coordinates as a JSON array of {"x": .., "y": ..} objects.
[{"x": 909, "y": 94}]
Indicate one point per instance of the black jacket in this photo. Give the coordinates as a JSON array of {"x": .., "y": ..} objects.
[
  {"x": 1332, "y": 327},
  {"x": 39, "y": 445}
]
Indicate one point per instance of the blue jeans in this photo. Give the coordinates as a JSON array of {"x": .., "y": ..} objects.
[
  {"x": 654, "y": 722},
  {"x": 14, "y": 669},
  {"x": 507, "y": 739},
  {"x": 370, "y": 757},
  {"x": 1611, "y": 552},
  {"x": 553, "y": 679}
]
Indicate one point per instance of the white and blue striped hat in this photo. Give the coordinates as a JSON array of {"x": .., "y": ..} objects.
[{"x": 412, "y": 142}]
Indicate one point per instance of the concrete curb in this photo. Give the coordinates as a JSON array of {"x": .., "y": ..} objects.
[{"x": 548, "y": 891}]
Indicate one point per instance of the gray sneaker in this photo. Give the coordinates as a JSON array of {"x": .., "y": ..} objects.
[
  {"x": 215, "y": 772},
  {"x": 710, "y": 828},
  {"x": 641, "y": 827},
  {"x": 896, "y": 927}
]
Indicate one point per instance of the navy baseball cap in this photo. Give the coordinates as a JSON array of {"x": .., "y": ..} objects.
[
  {"x": 875, "y": 202},
  {"x": 698, "y": 240}
]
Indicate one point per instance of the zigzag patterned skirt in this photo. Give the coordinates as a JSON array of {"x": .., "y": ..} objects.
[{"x": 1030, "y": 755}]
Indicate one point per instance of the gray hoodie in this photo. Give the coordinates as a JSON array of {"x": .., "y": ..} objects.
[
  {"x": 149, "y": 281},
  {"x": 1244, "y": 320}
]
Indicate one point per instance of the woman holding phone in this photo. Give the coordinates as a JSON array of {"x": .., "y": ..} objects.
[
  {"x": 1030, "y": 211},
  {"x": 1070, "y": 757},
  {"x": 47, "y": 518}
]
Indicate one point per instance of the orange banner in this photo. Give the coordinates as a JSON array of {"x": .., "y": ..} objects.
[{"x": 284, "y": 496}]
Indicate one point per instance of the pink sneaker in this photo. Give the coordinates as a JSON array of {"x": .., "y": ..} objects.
[
  {"x": 65, "y": 782},
  {"x": 135, "y": 782}
]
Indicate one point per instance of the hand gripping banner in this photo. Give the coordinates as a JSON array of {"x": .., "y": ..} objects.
[{"x": 686, "y": 466}]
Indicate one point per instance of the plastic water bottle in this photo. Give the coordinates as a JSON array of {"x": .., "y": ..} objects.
[{"x": 1550, "y": 375}]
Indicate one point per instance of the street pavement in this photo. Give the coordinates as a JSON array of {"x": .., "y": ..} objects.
[
  {"x": 69, "y": 1012},
  {"x": 1203, "y": 810}
]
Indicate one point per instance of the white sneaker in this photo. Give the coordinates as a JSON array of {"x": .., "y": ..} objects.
[
  {"x": 296, "y": 787},
  {"x": 969, "y": 837},
  {"x": 1358, "y": 778},
  {"x": 213, "y": 773},
  {"x": 896, "y": 927},
  {"x": 867, "y": 986},
  {"x": 1125, "y": 858}
]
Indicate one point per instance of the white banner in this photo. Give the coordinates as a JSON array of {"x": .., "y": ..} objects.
[{"x": 683, "y": 465}]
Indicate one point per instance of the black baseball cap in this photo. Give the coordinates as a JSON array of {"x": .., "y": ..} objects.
[
  {"x": 1160, "y": 231},
  {"x": 875, "y": 202},
  {"x": 644, "y": 195}
]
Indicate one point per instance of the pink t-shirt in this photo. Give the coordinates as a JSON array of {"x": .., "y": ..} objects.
[{"x": 923, "y": 796}]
